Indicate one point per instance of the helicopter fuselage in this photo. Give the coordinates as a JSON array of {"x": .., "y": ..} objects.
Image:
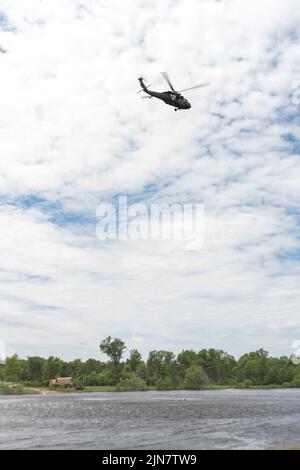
[{"x": 169, "y": 97}]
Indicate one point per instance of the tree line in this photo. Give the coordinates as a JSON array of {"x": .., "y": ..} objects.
[{"x": 162, "y": 370}]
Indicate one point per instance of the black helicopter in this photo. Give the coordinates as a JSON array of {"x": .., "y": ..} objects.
[{"x": 172, "y": 98}]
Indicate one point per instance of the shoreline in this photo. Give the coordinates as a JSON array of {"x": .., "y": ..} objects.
[{"x": 27, "y": 390}]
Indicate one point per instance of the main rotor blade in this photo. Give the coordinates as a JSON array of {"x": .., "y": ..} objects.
[
  {"x": 193, "y": 87},
  {"x": 166, "y": 77}
]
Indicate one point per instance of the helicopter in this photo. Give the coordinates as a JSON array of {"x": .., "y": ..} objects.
[{"x": 173, "y": 97}]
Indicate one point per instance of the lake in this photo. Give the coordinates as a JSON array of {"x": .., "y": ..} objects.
[{"x": 209, "y": 419}]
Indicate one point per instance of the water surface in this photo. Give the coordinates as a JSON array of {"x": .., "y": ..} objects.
[{"x": 215, "y": 419}]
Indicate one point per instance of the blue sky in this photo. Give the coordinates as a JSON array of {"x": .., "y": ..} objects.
[{"x": 74, "y": 134}]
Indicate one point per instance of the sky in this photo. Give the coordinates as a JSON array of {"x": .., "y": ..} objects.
[{"x": 74, "y": 134}]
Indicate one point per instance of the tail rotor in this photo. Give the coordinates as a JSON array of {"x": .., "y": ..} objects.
[{"x": 142, "y": 80}]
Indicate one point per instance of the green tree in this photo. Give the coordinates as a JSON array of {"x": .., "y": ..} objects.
[
  {"x": 134, "y": 360},
  {"x": 217, "y": 364},
  {"x": 65, "y": 369},
  {"x": 142, "y": 371},
  {"x": 186, "y": 358},
  {"x": 295, "y": 382},
  {"x": 35, "y": 368},
  {"x": 91, "y": 379},
  {"x": 24, "y": 366},
  {"x": 164, "y": 383},
  {"x": 106, "y": 377},
  {"x": 131, "y": 383},
  {"x": 160, "y": 364},
  {"x": 279, "y": 370},
  {"x": 2, "y": 371},
  {"x": 253, "y": 366},
  {"x": 195, "y": 378},
  {"x": 91, "y": 365},
  {"x": 75, "y": 367},
  {"x": 51, "y": 368},
  {"x": 13, "y": 369},
  {"x": 114, "y": 349}
]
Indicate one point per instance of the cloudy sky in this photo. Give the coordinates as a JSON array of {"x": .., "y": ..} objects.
[{"x": 74, "y": 134}]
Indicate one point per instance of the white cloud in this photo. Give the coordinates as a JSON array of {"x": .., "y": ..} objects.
[{"x": 73, "y": 133}]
